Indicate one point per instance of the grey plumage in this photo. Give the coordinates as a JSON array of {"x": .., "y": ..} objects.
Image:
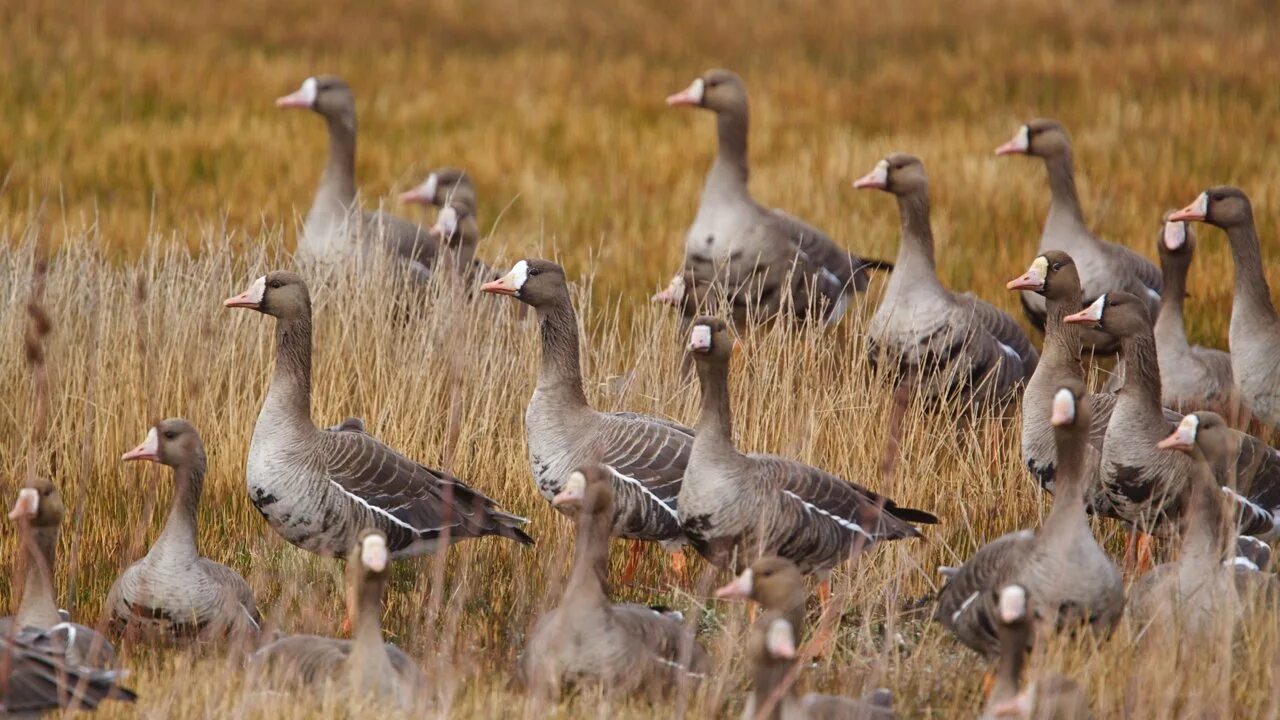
[{"x": 38, "y": 676}]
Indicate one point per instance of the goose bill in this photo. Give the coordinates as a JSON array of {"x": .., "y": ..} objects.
[
  {"x": 148, "y": 450},
  {"x": 691, "y": 96},
  {"x": 1197, "y": 210},
  {"x": 1018, "y": 145},
  {"x": 739, "y": 589}
]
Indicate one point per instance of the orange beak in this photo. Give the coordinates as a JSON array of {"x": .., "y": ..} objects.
[{"x": 498, "y": 287}]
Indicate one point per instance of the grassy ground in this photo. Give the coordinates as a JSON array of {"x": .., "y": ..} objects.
[{"x": 142, "y": 141}]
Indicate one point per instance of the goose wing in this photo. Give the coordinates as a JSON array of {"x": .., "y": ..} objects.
[
  {"x": 965, "y": 603},
  {"x": 664, "y": 638}
]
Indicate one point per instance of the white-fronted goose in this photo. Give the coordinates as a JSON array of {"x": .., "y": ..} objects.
[
  {"x": 1143, "y": 484},
  {"x": 735, "y": 507},
  {"x": 1053, "y": 697},
  {"x": 1255, "y": 327},
  {"x": 947, "y": 342},
  {"x": 364, "y": 665},
  {"x": 1191, "y": 376},
  {"x": 645, "y": 456},
  {"x": 456, "y": 226},
  {"x": 36, "y": 676},
  {"x": 320, "y": 488},
  {"x": 1062, "y": 565},
  {"x": 1104, "y": 267},
  {"x": 38, "y": 513},
  {"x": 172, "y": 590},
  {"x": 778, "y": 586},
  {"x": 762, "y": 260},
  {"x": 335, "y": 228},
  {"x": 586, "y": 640}
]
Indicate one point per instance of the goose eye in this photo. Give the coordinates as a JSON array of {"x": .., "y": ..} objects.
[
  {"x": 169, "y": 434},
  {"x": 1056, "y": 266},
  {"x": 534, "y": 271},
  {"x": 275, "y": 284}
]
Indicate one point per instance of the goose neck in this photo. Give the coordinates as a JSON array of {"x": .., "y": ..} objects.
[
  {"x": 1142, "y": 372},
  {"x": 289, "y": 394},
  {"x": 39, "y": 605},
  {"x": 715, "y": 419},
  {"x": 1064, "y": 205},
  {"x": 560, "y": 374},
  {"x": 178, "y": 539},
  {"x": 1250, "y": 280},
  {"x": 1169, "y": 328},
  {"x": 338, "y": 184},
  {"x": 915, "y": 253},
  {"x": 588, "y": 581},
  {"x": 729, "y": 173}
]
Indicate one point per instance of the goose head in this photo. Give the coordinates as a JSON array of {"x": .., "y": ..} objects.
[
  {"x": 1070, "y": 406},
  {"x": 710, "y": 341},
  {"x": 539, "y": 283},
  {"x": 716, "y": 90},
  {"x": 1052, "y": 274},
  {"x": 1206, "y": 431},
  {"x": 1041, "y": 137},
  {"x": 899, "y": 173},
  {"x": 772, "y": 581},
  {"x": 1116, "y": 313},
  {"x": 173, "y": 442},
  {"x": 1221, "y": 206},
  {"x": 586, "y": 491},
  {"x": 439, "y": 187},
  {"x": 327, "y": 95},
  {"x": 280, "y": 293},
  {"x": 39, "y": 504},
  {"x": 1176, "y": 237}
]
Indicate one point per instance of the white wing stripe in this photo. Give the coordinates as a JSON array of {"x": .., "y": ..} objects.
[
  {"x": 842, "y": 522},
  {"x": 632, "y": 481},
  {"x": 379, "y": 511},
  {"x": 963, "y": 606}
]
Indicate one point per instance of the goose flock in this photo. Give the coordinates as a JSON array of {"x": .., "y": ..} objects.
[{"x": 1161, "y": 446}]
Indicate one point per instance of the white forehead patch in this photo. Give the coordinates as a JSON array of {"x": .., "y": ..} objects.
[
  {"x": 1022, "y": 141},
  {"x": 28, "y": 503},
  {"x": 373, "y": 553},
  {"x": 518, "y": 275},
  {"x": 1189, "y": 426},
  {"x": 697, "y": 89},
  {"x": 1094, "y": 311},
  {"x": 1175, "y": 234},
  {"x": 429, "y": 187},
  {"x": 1039, "y": 267},
  {"x": 152, "y": 443},
  {"x": 781, "y": 639},
  {"x": 700, "y": 337},
  {"x": 257, "y": 290},
  {"x": 1013, "y": 603},
  {"x": 307, "y": 93},
  {"x": 1202, "y": 204},
  {"x": 577, "y": 483},
  {"x": 447, "y": 221},
  {"x": 1064, "y": 408},
  {"x": 881, "y": 172}
]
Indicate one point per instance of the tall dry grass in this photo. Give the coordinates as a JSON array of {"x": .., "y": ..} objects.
[{"x": 140, "y": 141}]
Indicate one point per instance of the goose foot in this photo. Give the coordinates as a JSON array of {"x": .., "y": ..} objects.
[{"x": 633, "y": 562}]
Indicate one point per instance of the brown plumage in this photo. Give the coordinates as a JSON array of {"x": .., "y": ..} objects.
[
  {"x": 772, "y": 648},
  {"x": 586, "y": 640},
  {"x": 319, "y": 489},
  {"x": 1104, "y": 266},
  {"x": 735, "y": 507},
  {"x": 758, "y": 262},
  {"x": 173, "y": 591},
  {"x": 362, "y": 666}
]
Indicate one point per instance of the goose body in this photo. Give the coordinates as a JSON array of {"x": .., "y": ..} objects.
[
  {"x": 319, "y": 489},
  {"x": 39, "y": 626},
  {"x": 1103, "y": 266},
  {"x": 586, "y": 640},
  {"x": 761, "y": 261},
  {"x": 1062, "y": 564},
  {"x": 364, "y": 665},
  {"x": 735, "y": 506},
  {"x": 946, "y": 342},
  {"x": 37, "y": 676},
  {"x": 457, "y": 226},
  {"x": 645, "y": 457},
  {"x": 1254, "y": 334},
  {"x": 772, "y": 648},
  {"x": 173, "y": 590},
  {"x": 335, "y": 229}
]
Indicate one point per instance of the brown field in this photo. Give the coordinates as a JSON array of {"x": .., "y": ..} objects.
[{"x": 140, "y": 140}]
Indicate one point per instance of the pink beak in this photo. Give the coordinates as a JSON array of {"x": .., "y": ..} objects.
[
  {"x": 498, "y": 287},
  {"x": 1024, "y": 282},
  {"x": 1176, "y": 441},
  {"x": 738, "y": 589},
  {"x": 294, "y": 99},
  {"x": 148, "y": 450},
  {"x": 414, "y": 196},
  {"x": 690, "y": 96},
  {"x": 1010, "y": 148},
  {"x": 872, "y": 180},
  {"x": 240, "y": 301},
  {"x": 1195, "y": 211}
]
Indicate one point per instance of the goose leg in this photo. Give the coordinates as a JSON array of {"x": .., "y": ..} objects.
[
  {"x": 679, "y": 568},
  {"x": 1137, "y": 553},
  {"x": 633, "y": 562}
]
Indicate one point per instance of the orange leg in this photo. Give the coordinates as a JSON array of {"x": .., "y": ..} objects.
[
  {"x": 820, "y": 643},
  {"x": 633, "y": 562},
  {"x": 1137, "y": 553},
  {"x": 988, "y": 683},
  {"x": 824, "y": 592},
  {"x": 679, "y": 568}
]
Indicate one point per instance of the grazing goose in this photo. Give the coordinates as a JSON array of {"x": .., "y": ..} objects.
[
  {"x": 1191, "y": 377},
  {"x": 38, "y": 512},
  {"x": 644, "y": 456},
  {"x": 1255, "y": 327},
  {"x": 736, "y": 507},
  {"x": 335, "y": 229},
  {"x": 456, "y": 225},
  {"x": 1050, "y": 698},
  {"x": 948, "y": 342},
  {"x": 776, "y": 583},
  {"x": 763, "y": 261},
  {"x": 173, "y": 591},
  {"x": 367, "y": 665},
  {"x": 320, "y": 488},
  {"x": 1074, "y": 580},
  {"x": 586, "y": 640},
  {"x": 1104, "y": 267},
  {"x": 37, "y": 676},
  {"x": 1141, "y": 483}
]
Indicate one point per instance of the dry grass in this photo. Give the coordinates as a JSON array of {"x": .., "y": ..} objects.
[{"x": 168, "y": 180}]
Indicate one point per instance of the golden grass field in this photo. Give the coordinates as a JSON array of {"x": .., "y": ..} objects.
[{"x": 140, "y": 140}]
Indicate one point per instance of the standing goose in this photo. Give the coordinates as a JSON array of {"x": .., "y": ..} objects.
[
  {"x": 777, "y": 585},
  {"x": 1104, "y": 267},
  {"x": 1255, "y": 327},
  {"x": 37, "y": 676},
  {"x": 1143, "y": 484},
  {"x": 764, "y": 261},
  {"x": 365, "y": 664},
  {"x": 949, "y": 342},
  {"x": 1191, "y": 376},
  {"x": 1050, "y": 698},
  {"x": 586, "y": 640},
  {"x": 38, "y": 513},
  {"x": 456, "y": 226},
  {"x": 645, "y": 457},
  {"x": 1062, "y": 565},
  {"x": 335, "y": 228},
  {"x": 172, "y": 590},
  {"x": 320, "y": 488},
  {"x": 736, "y": 507}
]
